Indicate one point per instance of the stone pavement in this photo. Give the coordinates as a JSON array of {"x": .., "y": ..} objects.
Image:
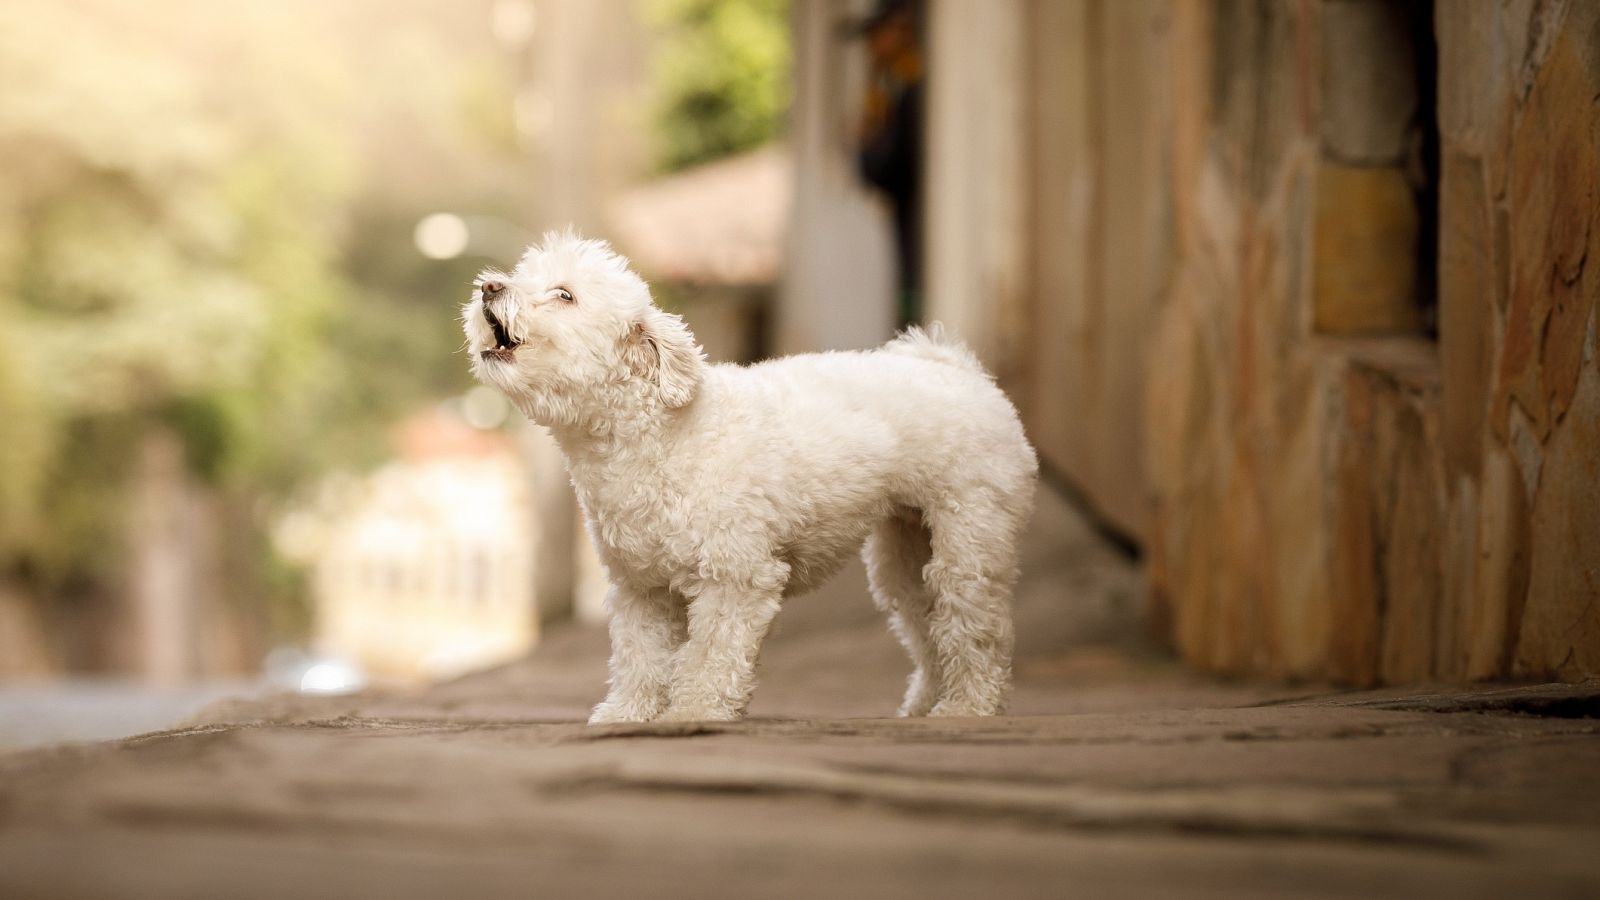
[{"x": 1118, "y": 774}]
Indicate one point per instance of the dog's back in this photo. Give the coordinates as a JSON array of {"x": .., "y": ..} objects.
[{"x": 933, "y": 344}]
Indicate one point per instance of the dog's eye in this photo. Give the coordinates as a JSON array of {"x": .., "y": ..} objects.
[{"x": 564, "y": 294}]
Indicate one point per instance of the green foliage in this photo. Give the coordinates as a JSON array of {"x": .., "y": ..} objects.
[
  {"x": 722, "y": 72},
  {"x": 155, "y": 263},
  {"x": 179, "y": 186}
]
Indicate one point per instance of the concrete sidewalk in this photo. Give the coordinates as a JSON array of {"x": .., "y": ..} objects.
[
  {"x": 52, "y": 710},
  {"x": 1117, "y": 775}
]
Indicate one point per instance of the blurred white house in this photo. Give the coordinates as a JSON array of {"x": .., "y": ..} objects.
[{"x": 424, "y": 568}]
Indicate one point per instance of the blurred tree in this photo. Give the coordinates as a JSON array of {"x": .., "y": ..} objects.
[
  {"x": 177, "y": 194},
  {"x": 722, "y": 76}
]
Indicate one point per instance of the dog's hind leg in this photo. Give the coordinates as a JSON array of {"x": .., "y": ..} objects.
[
  {"x": 971, "y": 573},
  {"x": 895, "y": 553}
]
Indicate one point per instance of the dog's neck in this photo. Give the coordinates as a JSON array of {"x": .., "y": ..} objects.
[
  {"x": 620, "y": 420},
  {"x": 608, "y": 452}
]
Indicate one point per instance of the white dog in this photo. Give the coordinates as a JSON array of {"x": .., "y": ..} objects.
[{"x": 712, "y": 492}]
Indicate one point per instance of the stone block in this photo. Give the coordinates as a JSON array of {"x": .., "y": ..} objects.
[
  {"x": 1302, "y": 596},
  {"x": 1466, "y": 308},
  {"x": 1388, "y": 509},
  {"x": 1554, "y": 179},
  {"x": 1555, "y": 160},
  {"x": 1357, "y": 631},
  {"x": 1475, "y": 96},
  {"x": 1412, "y": 538},
  {"x": 1365, "y": 252},
  {"x": 1560, "y": 628},
  {"x": 1369, "y": 82},
  {"x": 1260, "y": 86},
  {"x": 1458, "y": 539}
]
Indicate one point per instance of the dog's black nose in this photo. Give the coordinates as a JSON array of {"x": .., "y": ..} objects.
[{"x": 491, "y": 288}]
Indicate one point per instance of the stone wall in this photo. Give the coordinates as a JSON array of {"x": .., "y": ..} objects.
[
  {"x": 1336, "y": 492},
  {"x": 1521, "y": 160},
  {"x": 1049, "y": 218},
  {"x": 1099, "y": 240},
  {"x": 1300, "y": 295}
]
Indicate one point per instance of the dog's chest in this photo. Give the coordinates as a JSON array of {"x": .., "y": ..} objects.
[{"x": 646, "y": 536}]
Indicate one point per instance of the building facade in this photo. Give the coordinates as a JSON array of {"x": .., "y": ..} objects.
[
  {"x": 1298, "y": 295},
  {"x": 424, "y": 568}
]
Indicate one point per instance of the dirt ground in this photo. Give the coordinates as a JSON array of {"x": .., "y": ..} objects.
[{"x": 1117, "y": 774}]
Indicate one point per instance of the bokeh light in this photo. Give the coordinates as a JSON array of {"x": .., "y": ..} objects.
[{"x": 442, "y": 236}]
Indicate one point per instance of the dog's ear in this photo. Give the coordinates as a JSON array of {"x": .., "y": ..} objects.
[{"x": 661, "y": 350}]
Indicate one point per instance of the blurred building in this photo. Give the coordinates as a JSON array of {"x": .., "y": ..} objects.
[
  {"x": 711, "y": 241},
  {"x": 423, "y": 569},
  {"x": 1293, "y": 294},
  {"x": 1297, "y": 295}
]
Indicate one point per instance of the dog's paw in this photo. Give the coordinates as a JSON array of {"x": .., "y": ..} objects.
[
  {"x": 948, "y": 709},
  {"x": 699, "y": 714},
  {"x": 612, "y": 713},
  {"x": 922, "y": 692}
]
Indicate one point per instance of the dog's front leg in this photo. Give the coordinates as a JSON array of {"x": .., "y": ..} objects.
[
  {"x": 714, "y": 672},
  {"x": 646, "y": 629}
]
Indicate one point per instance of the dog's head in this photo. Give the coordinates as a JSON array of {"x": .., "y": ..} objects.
[{"x": 572, "y": 328}]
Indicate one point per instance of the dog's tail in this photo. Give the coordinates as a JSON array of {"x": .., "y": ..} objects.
[{"x": 932, "y": 343}]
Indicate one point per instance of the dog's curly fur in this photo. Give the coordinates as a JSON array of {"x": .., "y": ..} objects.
[{"x": 712, "y": 492}]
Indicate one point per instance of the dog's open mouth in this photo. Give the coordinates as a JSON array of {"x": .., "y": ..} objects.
[{"x": 504, "y": 347}]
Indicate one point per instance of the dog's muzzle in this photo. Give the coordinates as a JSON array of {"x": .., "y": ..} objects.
[{"x": 505, "y": 347}]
